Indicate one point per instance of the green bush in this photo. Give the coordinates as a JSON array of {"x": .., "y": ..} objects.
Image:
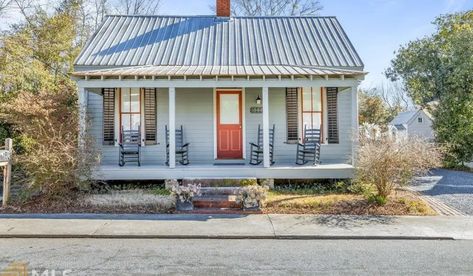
[
  {"x": 161, "y": 191},
  {"x": 248, "y": 182},
  {"x": 378, "y": 199}
]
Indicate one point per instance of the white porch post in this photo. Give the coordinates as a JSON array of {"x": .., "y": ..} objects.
[
  {"x": 354, "y": 123},
  {"x": 266, "y": 159},
  {"x": 172, "y": 127},
  {"x": 82, "y": 102}
]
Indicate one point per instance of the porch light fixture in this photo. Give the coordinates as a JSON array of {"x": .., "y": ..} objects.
[{"x": 258, "y": 100}]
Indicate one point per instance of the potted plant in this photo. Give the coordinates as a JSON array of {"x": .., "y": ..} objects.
[
  {"x": 184, "y": 196},
  {"x": 252, "y": 197}
]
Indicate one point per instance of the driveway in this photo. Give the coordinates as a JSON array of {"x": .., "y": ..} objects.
[{"x": 453, "y": 188}]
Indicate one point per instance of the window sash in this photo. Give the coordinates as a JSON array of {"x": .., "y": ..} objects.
[
  {"x": 130, "y": 110},
  {"x": 312, "y": 109}
]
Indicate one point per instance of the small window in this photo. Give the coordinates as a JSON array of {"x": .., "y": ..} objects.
[{"x": 420, "y": 120}]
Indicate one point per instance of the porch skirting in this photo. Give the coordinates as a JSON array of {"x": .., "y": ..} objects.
[{"x": 154, "y": 172}]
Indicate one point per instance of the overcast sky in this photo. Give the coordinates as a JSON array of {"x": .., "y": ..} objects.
[{"x": 376, "y": 27}]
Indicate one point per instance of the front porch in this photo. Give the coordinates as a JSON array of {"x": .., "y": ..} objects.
[
  {"x": 194, "y": 105},
  {"x": 277, "y": 171}
]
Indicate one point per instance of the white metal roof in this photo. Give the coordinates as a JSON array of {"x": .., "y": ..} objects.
[
  {"x": 207, "y": 43},
  {"x": 218, "y": 71}
]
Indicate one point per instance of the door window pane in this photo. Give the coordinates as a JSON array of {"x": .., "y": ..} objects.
[
  {"x": 307, "y": 99},
  {"x": 135, "y": 122},
  {"x": 126, "y": 121},
  {"x": 135, "y": 101},
  {"x": 316, "y": 100},
  {"x": 229, "y": 109},
  {"x": 311, "y": 99},
  {"x": 131, "y": 121},
  {"x": 125, "y": 99},
  {"x": 312, "y": 120}
]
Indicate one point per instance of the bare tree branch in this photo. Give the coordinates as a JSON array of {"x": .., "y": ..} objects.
[
  {"x": 274, "y": 7},
  {"x": 4, "y": 4},
  {"x": 137, "y": 6},
  {"x": 394, "y": 95}
]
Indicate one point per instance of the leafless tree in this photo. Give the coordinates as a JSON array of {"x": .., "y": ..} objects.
[
  {"x": 4, "y": 4},
  {"x": 100, "y": 10},
  {"x": 136, "y": 6},
  {"x": 274, "y": 7},
  {"x": 394, "y": 95}
]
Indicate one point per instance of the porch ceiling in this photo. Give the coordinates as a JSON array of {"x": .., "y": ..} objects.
[{"x": 220, "y": 71}]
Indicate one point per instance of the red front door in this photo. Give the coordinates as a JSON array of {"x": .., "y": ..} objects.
[{"x": 229, "y": 125}]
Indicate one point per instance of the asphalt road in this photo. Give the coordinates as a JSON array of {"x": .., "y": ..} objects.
[
  {"x": 453, "y": 188},
  {"x": 228, "y": 257}
]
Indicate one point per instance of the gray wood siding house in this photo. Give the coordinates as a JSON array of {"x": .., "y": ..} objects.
[
  {"x": 415, "y": 123},
  {"x": 220, "y": 78}
]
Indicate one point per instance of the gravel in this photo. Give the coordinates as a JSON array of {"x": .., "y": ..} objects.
[{"x": 454, "y": 188}]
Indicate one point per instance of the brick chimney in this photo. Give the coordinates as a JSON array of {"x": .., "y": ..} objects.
[{"x": 223, "y": 8}]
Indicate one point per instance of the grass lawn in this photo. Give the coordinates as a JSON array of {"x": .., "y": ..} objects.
[{"x": 303, "y": 202}]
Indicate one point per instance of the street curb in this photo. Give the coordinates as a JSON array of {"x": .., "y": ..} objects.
[{"x": 222, "y": 237}]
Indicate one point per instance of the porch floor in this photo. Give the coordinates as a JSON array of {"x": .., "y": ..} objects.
[{"x": 281, "y": 171}]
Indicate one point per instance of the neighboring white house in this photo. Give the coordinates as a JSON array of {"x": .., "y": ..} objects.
[
  {"x": 220, "y": 77},
  {"x": 416, "y": 123}
]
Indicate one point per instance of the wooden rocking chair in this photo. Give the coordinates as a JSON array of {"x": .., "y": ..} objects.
[
  {"x": 309, "y": 149},
  {"x": 256, "y": 156},
  {"x": 130, "y": 147},
  {"x": 182, "y": 150}
]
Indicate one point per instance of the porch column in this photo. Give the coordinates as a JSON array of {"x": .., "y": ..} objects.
[
  {"x": 172, "y": 127},
  {"x": 266, "y": 159},
  {"x": 354, "y": 123},
  {"x": 82, "y": 104}
]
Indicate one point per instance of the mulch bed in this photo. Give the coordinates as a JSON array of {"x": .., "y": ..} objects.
[
  {"x": 73, "y": 205},
  {"x": 398, "y": 204}
]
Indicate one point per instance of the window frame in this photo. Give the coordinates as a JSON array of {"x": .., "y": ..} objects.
[
  {"x": 121, "y": 112},
  {"x": 321, "y": 112}
]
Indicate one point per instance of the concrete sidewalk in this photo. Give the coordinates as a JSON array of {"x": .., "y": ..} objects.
[{"x": 235, "y": 227}]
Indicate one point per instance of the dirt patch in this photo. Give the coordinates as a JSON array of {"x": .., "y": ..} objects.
[
  {"x": 401, "y": 203},
  {"x": 124, "y": 202}
]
